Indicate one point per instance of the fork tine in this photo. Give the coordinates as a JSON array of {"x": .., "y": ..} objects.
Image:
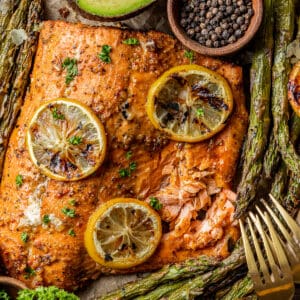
[
  {"x": 248, "y": 252},
  {"x": 282, "y": 259},
  {"x": 288, "y": 219},
  {"x": 261, "y": 260},
  {"x": 285, "y": 233},
  {"x": 269, "y": 253}
]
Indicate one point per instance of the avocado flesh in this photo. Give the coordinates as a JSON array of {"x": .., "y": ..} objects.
[{"x": 112, "y": 8}]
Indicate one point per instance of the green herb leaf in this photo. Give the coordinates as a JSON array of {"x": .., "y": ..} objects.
[
  {"x": 75, "y": 140},
  {"x": 4, "y": 295},
  {"x": 56, "y": 115},
  {"x": 19, "y": 180},
  {"x": 104, "y": 54},
  {"x": 128, "y": 154},
  {"x": 154, "y": 202},
  {"x": 24, "y": 237},
  {"x": 70, "y": 64},
  {"x": 200, "y": 112},
  {"x": 71, "y": 232},
  {"x": 73, "y": 202},
  {"x": 46, "y": 219},
  {"x": 124, "y": 173},
  {"x": 49, "y": 293},
  {"x": 132, "y": 166},
  {"x": 131, "y": 41},
  {"x": 69, "y": 212},
  {"x": 190, "y": 55},
  {"x": 29, "y": 272}
]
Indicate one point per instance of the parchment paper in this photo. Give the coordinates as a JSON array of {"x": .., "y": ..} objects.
[{"x": 153, "y": 18}]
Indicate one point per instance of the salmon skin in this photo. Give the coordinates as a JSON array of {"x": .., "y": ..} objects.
[{"x": 192, "y": 181}]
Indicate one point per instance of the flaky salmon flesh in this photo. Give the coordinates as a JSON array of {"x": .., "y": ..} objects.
[{"x": 192, "y": 181}]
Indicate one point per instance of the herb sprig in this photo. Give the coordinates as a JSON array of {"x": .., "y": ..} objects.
[
  {"x": 190, "y": 55},
  {"x": 131, "y": 41},
  {"x": 154, "y": 202},
  {"x": 104, "y": 55},
  {"x": 70, "y": 64},
  {"x": 69, "y": 212}
]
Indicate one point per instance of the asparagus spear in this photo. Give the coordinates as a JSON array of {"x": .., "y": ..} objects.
[
  {"x": 272, "y": 157},
  {"x": 278, "y": 189},
  {"x": 174, "y": 272},
  {"x": 9, "y": 49},
  {"x": 284, "y": 17},
  {"x": 195, "y": 286},
  {"x": 240, "y": 289},
  {"x": 6, "y": 11},
  {"x": 12, "y": 102},
  {"x": 259, "y": 112}
]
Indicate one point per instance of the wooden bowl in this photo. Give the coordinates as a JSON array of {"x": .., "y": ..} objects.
[
  {"x": 93, "y": 17},
  {"x": 11, "y": 286},
  {"x": 174, "y": 7}
]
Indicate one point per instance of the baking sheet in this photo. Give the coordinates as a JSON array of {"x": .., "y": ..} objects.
[{"x": 153, "y": 18}]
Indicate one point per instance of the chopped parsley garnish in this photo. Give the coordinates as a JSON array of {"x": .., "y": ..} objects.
[
  {"x": 46, "y": 219},
  {"x": 49, "y": 293},
  {"x": 4, "y": 295},
  {"x": 71, "y": 232},
  {"x": 19, "y": 180},
  {"x": 75, "y": 140},
  {"x": 190, "y": 55},
  {"x": 131, "y": 41},
  {"x": 200, "y": 112},
  {"x": 70, "y": 64},
  {"x": 154, "y": 202},
  {"x": 104, "y": 54},
  {"x": 69, "y": 212},
  {"x": 29, "y": 272},
  {"x": 73, "y": 202},
  {"x": 128, "y": 154},
  {"x": 57, "y": 115},
  {"x": 124, "y": 173},
  {"x": 24, "y": 237},
  {"x": 132, "y": 166}
]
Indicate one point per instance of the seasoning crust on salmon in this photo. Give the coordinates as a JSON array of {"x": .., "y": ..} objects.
[{"x": 192, "y": 181}]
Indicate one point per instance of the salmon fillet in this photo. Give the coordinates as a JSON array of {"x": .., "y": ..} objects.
[{"x": 192, "y": 181}]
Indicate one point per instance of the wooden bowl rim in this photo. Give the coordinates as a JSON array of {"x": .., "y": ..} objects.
[
  {"x": 5, "y": 280},
  {"x": 221, "y": 51}
]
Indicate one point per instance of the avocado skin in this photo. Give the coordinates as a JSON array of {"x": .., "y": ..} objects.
[{"x": 93, "y": 17}]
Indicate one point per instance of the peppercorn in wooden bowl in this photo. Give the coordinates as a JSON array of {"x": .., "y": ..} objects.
[{"x": 215, "y": 27}]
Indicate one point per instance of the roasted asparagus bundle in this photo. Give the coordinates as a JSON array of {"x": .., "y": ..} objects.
[{"x": 257, "y": 137}]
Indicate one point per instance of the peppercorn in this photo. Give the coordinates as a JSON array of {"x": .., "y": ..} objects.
[{"x": 216, "y": 23}]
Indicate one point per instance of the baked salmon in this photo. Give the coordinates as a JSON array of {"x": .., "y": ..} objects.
[{"x": 192, "y": 181}]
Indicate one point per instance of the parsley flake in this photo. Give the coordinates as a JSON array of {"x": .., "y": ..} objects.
[
  {"x": 104, "y": 54},
  {"x": 75, "y": 140},
  {"x": 128, "y": 154},
  {"x": 131, "y": 41},
  {"x": 57, "y": 115},
  {"x": 29, "y": 272},
  {"x": 132, "y": 166},
  {"x": 200, "y": 112},
  {"x": 19, "y": 180},
  {"x": 71, "y": 232},
  {"x": 70, "y": 64},
  {"x": 46, "y": 219},
  {"x": 4, "y": 295},
  {"x": 24, "y": 237},
  {"x": 69, "y": 212},
  {"x": 154, "y": 202},
  {"x": 124, "y": 173},
  {"x": 73, "y": 202},
  {"x": 190, "y": 55}
]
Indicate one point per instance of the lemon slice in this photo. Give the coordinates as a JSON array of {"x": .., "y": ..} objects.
[
  {"x": 190, "y": 103},
  {"x": 123, "y": 233},
  {"x": 66, "y": 140},
  {"x": 294, "y": 88}
]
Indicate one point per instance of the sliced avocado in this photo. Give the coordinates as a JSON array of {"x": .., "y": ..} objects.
[{"x": 112, "y": 8}]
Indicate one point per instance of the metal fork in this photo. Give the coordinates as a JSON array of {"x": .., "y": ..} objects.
[
  {"x": 291, "y": 235},
  {"x": 272, "y": 279}
]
